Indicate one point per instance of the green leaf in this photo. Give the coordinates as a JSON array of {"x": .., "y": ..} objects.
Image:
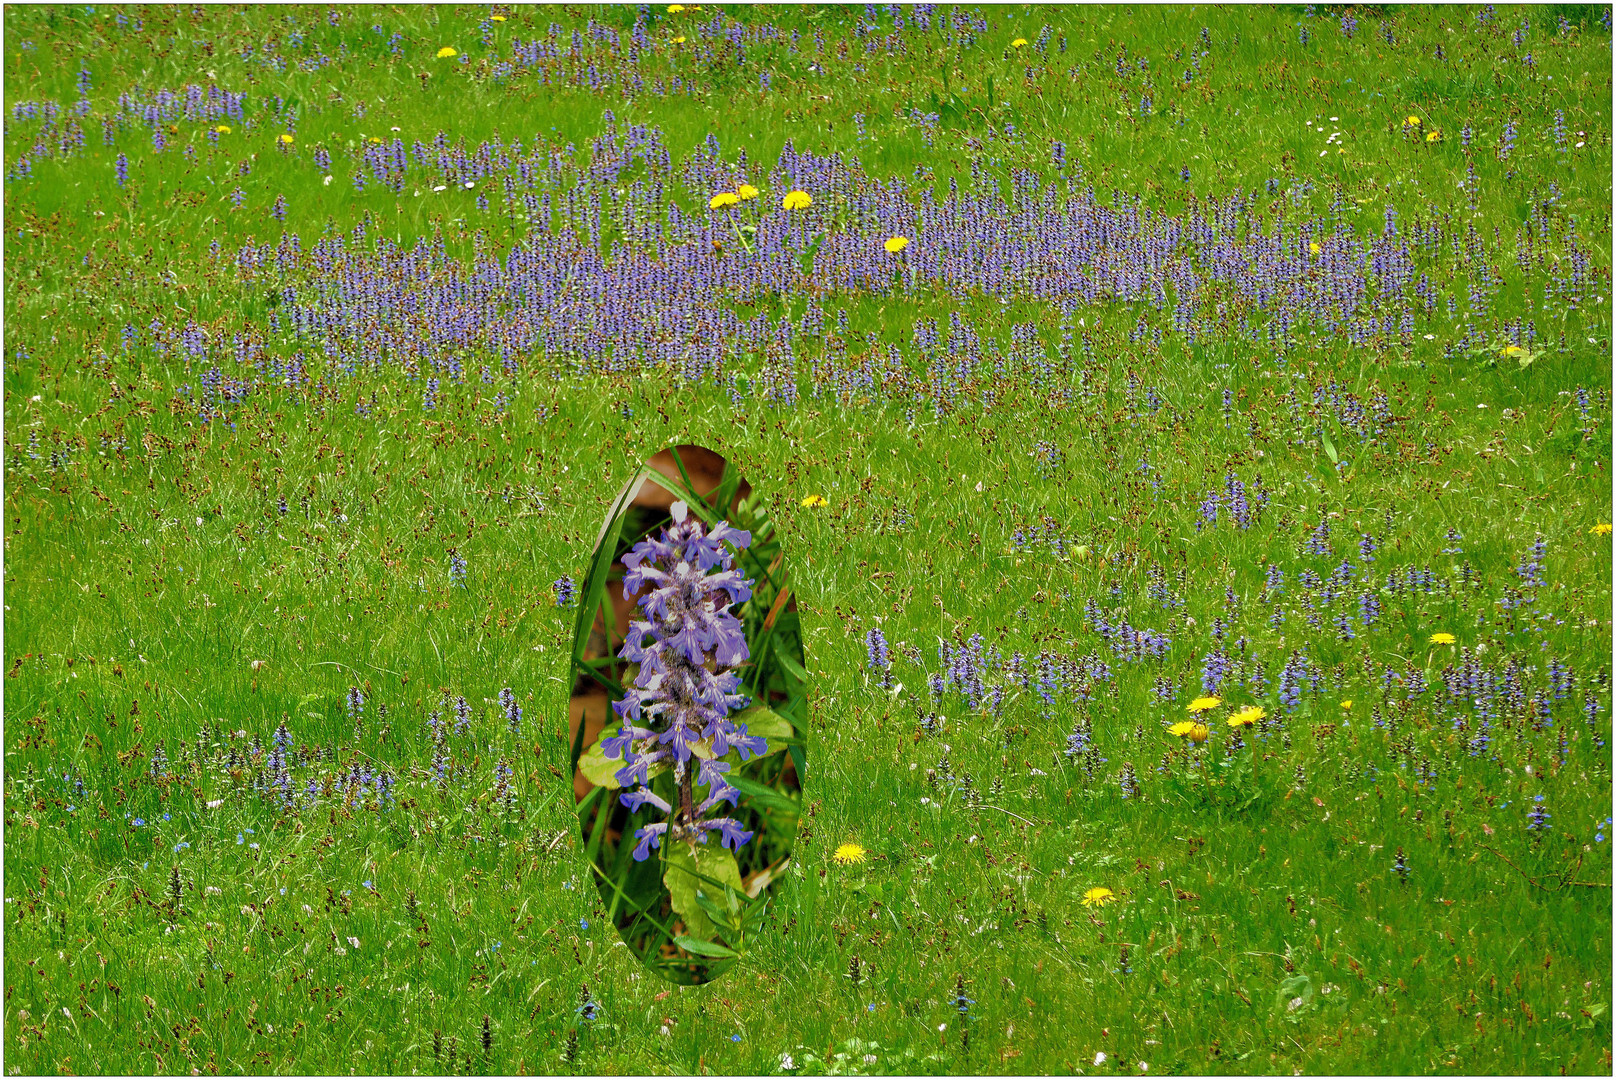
[
  {"x": 599, "y": 769},
  {"x": 725, "y": 916},
  {"x": 1329, "y": 448},
  {"x": 762, "y": 795},
  {"x": 683, "y": 874},
  {"x": 704, "y": 948},
  {"x": 805, "y": 257},
  {"x": 1297, "y": 986},
  {"x": 794, "y": 669}
]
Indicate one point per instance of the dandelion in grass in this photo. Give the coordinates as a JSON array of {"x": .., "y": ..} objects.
[
  {"x": 1442, "y": 637},
  {"x": 1018, "y": 43},
  {"x": 814, "y": 500},
  {"x": 1347, "y": 705},
  {"x": 1247, "y": 716},
  {"x": 849, "y": 855},
  {"x": 797, "y": 200},
  {"x": 1602, "y": 529},
  {"x": 287, "y": 140},
  {"x": 1205, "y": 704},
  {"x": 680, "y": 40},
  {"x": 1413, "y": 121},
  {"x": 1098, "y": 896},
  {"x": 1313, "y": 247},
  {"x": 747, "y": 192},
  {"x": 686, "y": 642},
  {"x": 222, "y": 129},
  {"x": 1433, "y": 136},
  {"x": 723, "y": 199},
  {"x": 896, "y": 244},
  {"x": 447, "y": 51},
  {"x": 1183, "y": 729},
  {"x": 674, "y": 9}
]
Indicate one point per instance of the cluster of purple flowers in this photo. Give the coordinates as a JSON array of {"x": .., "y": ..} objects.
[
  {"x": 880, "y": 660},
  {"x": 676, "y": 705}
]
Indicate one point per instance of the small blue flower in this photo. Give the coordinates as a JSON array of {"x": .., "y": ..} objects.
[
  {"x": 369, "y": 885},
  {"x": 166, "y": 817},
  {"x": 283, "y": 890},
  {"x": 870, "y": 1007},
  {"x": 734, "y": 1038},
  {"x": 145, "y": 864},
  {"x": 181, "y": 844},
  {"x": 583, "y": 924},
  {"x": 71, "y": 808},
  {"x": 240, "y": 839},
  {"x": 138, "y": 822}
]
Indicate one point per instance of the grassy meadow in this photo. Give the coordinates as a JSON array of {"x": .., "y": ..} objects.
[{"x": 1222, "y": 458}]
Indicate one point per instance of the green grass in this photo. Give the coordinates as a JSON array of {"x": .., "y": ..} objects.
[{"x": 156, "y": 595}]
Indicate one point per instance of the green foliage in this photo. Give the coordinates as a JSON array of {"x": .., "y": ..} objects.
[{"x": 157, "y": 595}]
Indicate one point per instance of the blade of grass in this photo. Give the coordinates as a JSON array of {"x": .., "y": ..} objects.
[{"x": 690, "y": 484}]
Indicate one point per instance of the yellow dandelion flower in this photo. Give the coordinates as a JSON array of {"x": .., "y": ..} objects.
[
  {"x": 1443, "y": 638},
  {"x": 447, "y": 51},
  {"x": 674, "y": 9},
  {"x": 1514, "y": 351},
  {"x": 1601, "y": 529},
  {"x": 1199, "y": 734},
  {"x": 374, "y": 139},
  {"x": 1098, "y": 896},
  {"x": 680, "y": 40},
  {"x": 896, "y": 244},
  {"x": 1018, "y": 43},
  {"x": 1183, "y": 728},
  {"x": 1202, "y": 704},
  {"x": 223, "y": 129},
  {"x": 747, "y": 191},
  {"x": 1347, "y": 704},
  {"x": 1433, "y": 136},
  {"x": 1413, "y": 121},
  {"x": 796, "y": 200},
  {"x": 849, "y": 855},
  {"x": 1314, "y": 247},
  {"x": 1248, "y": 716},
  {"x": 723, "y": 198},
  {"x": 496, "y": 18},
  {"x": 287, "y": 139},
  {"x": 814, "y": 500}
]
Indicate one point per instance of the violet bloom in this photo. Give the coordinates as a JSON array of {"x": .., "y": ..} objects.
[
  {"x": 676, "y": 705},
  {"x": 876, "y": 643}
]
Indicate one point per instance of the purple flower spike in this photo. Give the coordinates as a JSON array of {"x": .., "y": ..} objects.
[{"x": 676, "y": 703}]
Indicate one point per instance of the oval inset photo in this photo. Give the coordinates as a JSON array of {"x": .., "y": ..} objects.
[{"x": 688, "y": 713}]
